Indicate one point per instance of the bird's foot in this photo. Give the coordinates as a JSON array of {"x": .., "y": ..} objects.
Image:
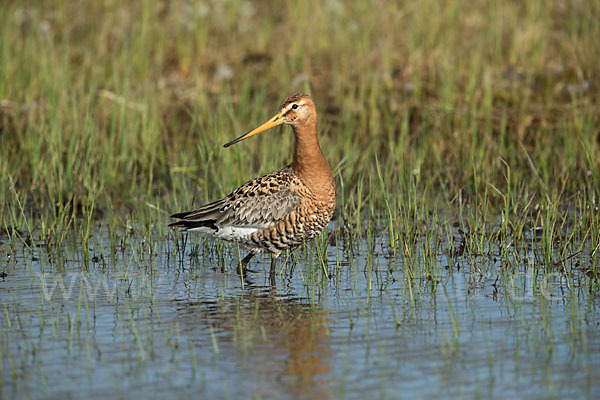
[{"x": 243, "y": 270}]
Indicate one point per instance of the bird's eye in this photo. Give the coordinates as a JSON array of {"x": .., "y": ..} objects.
[{"x": 295, "y": 106}]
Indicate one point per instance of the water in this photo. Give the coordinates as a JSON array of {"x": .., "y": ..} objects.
[{"x": 133, "y": 318}]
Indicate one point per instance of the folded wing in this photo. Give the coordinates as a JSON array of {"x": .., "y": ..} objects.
[{"x": 253, "y": 206}]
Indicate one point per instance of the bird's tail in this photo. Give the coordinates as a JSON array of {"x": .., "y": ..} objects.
[{"x": 202, "y": 219}]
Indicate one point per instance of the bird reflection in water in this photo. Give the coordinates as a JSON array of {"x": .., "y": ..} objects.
[{"x": 282, "y": 336}]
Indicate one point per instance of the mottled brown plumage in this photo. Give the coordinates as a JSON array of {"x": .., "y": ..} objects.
[{"x": 280, "y": 210}]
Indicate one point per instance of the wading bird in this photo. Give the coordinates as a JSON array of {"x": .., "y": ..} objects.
[{"x": 278, "y": 211}]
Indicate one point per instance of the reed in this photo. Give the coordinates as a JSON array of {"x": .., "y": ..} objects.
[{"x": 463, "y": 136}]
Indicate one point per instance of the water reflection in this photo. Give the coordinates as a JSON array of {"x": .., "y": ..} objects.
[
  {"x": 475, "y": 325},
  {"x": 284, "y": 336}
]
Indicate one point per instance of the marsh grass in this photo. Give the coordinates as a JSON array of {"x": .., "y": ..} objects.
[
  {"x": 106, "y": 106},
  {"x": 463, "y": 136}
]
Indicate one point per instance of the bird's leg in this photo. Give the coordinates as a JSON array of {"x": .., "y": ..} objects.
[
  {"x": 242, "y": 266},
  {"x": 273, "y": 263},
  {"x": 272, "y": 271}
]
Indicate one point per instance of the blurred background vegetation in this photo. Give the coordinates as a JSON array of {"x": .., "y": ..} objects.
[{"x": 108, "y": 106}]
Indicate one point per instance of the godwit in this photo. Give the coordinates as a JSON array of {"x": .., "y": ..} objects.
[{"x": 280, "y": 210}]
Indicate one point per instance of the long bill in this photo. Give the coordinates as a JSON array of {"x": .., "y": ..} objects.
[{"x": 276, "y": 120}]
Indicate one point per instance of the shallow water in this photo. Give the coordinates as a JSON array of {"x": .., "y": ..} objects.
[{"x": 135, "y": 318}]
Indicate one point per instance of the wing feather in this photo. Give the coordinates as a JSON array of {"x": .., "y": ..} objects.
[
  {"x": 255, "y": 204},
  {"x": 262, "y": 200}
]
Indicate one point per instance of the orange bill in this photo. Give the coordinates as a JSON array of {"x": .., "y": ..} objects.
[{"x": 276, "y": 120}]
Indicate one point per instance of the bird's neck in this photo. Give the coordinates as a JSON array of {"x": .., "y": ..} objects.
[{"x": 309, "y": 162}]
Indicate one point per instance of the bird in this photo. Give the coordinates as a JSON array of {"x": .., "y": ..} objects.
[{"x": 280, "y": 210}]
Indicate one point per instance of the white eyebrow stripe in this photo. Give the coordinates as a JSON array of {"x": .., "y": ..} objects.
[{"x": 288, "y": 108}]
